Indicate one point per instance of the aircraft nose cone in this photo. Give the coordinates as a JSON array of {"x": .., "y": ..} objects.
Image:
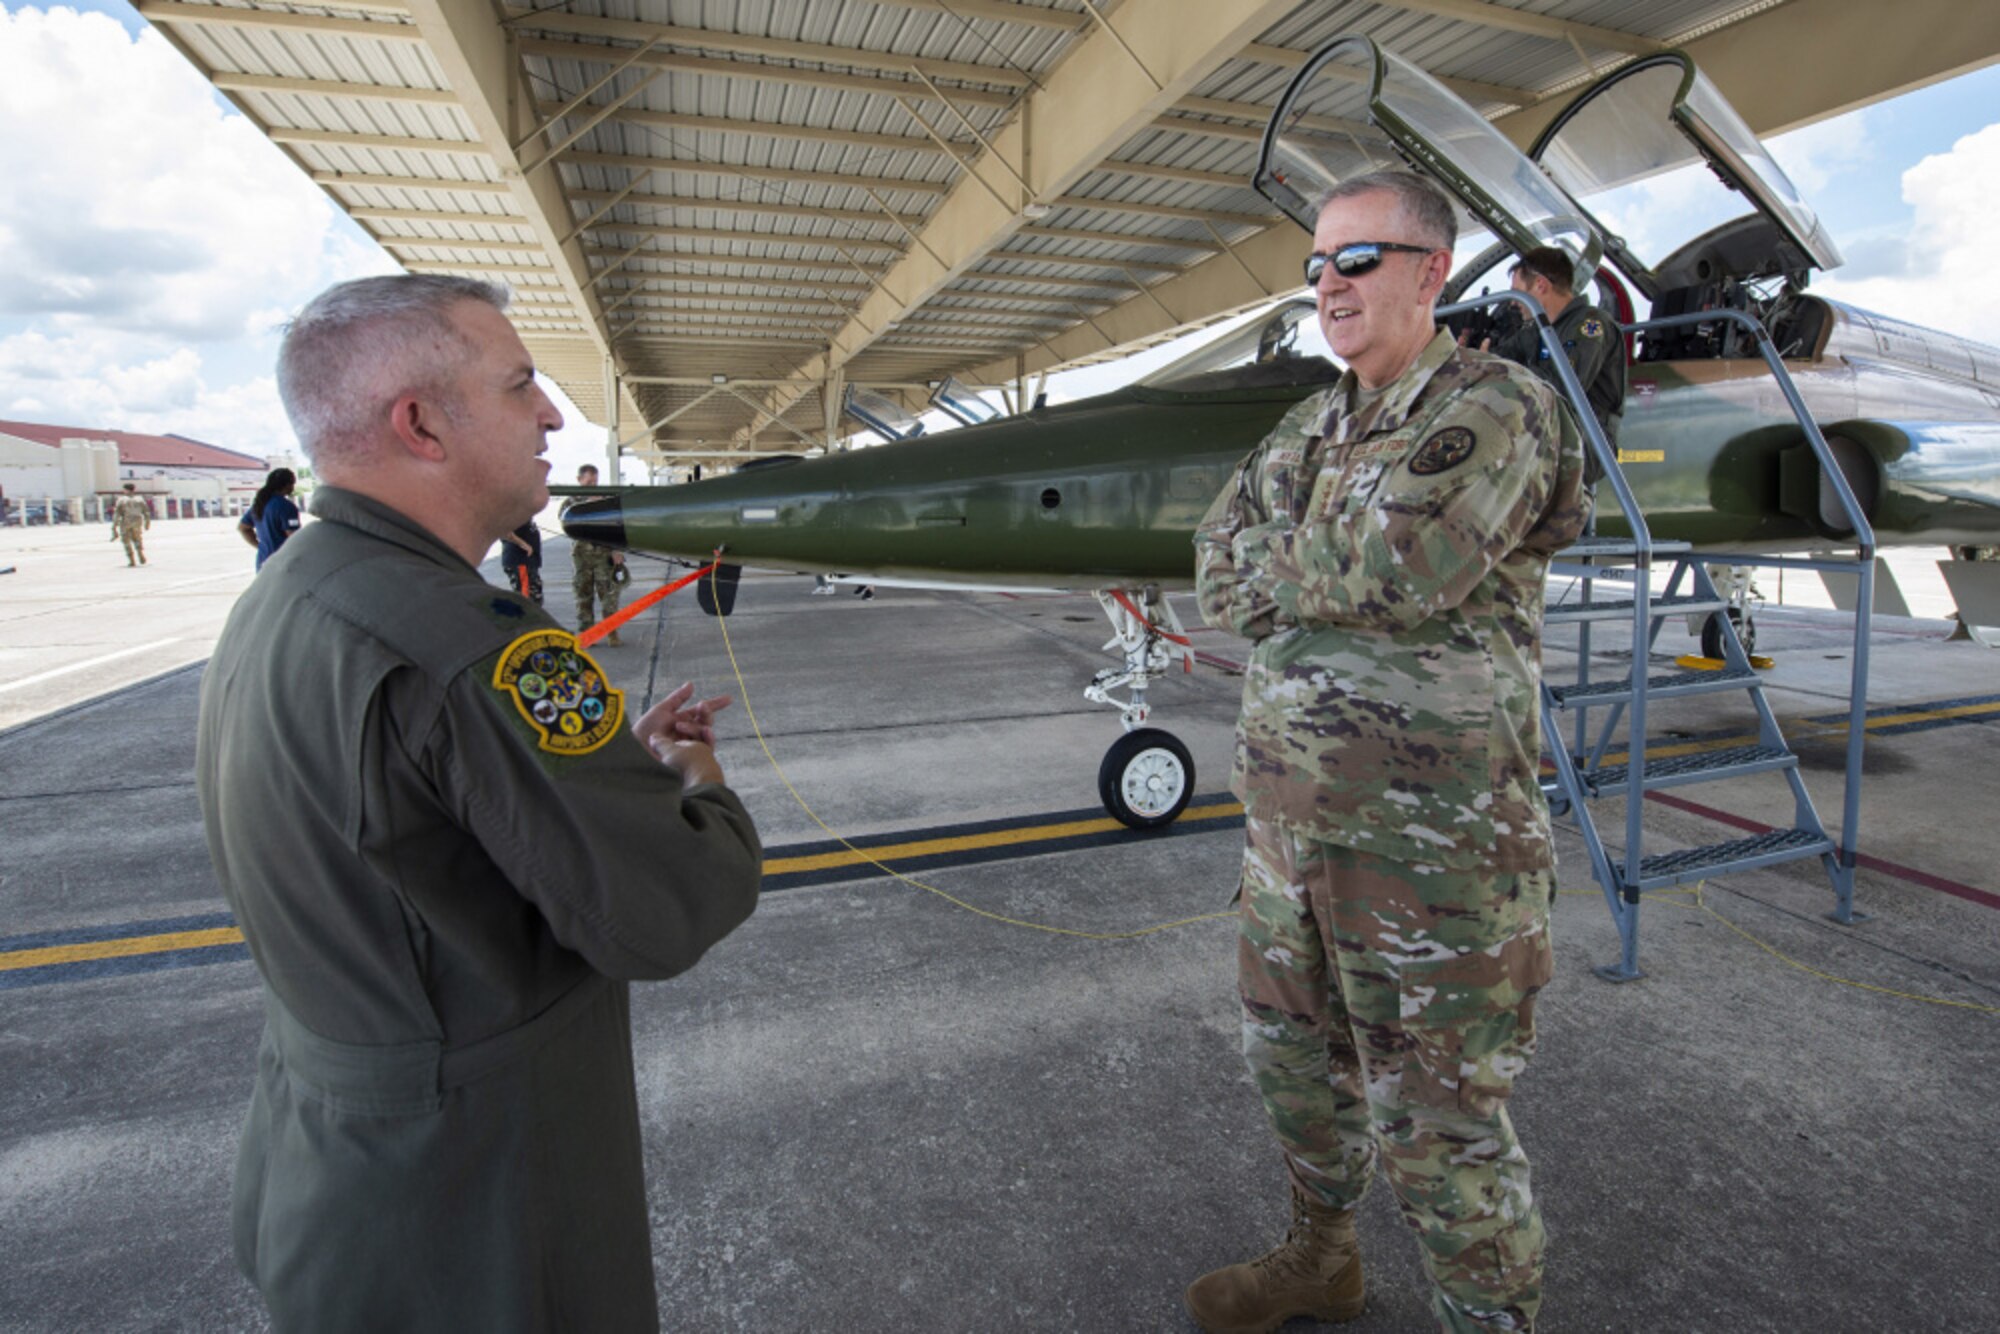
[{"x": 600, "y": 519}]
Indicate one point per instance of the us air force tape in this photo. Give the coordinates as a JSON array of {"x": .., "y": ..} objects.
[
  {"x": 560, "y": 691},
  {"x": 1447, "y": 449}
]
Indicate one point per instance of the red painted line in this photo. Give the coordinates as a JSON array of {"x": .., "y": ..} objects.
[{"x": 1984, "y": 898}]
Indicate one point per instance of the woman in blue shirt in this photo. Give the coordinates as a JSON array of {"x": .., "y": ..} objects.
[{"x": 272, "y": 517}]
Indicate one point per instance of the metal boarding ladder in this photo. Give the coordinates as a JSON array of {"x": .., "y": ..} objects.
[{"x": 1586, "y": 771}]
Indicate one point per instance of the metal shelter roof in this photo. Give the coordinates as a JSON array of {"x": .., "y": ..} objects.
[{"x": 737, "y": 207}]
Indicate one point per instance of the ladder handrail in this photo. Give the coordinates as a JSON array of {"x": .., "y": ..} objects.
[
  {"x": 1642, "y": 546},
  {"x": 1579, "y": 402},
  {"x": 1864, "y": 532}
]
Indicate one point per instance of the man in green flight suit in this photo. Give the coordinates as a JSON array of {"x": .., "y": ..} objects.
[
  {"x": 449, "y": 850},
  {"x": 1385, "y": 549},
  {"x": 1589, "y": 337},
  {"x": 595, "y": 570}
]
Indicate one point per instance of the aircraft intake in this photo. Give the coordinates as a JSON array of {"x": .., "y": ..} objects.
[{"x": 599, "y": 519}]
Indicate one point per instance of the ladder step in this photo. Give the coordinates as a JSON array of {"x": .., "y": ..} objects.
[
  {"x": 1657, "y": 687},
  {"x": 1685, "y": 864},
  {"x": 1680, "y": 604},
  {"x": 1593, "y": 548},
  {"x": 1730, "y": 762}
]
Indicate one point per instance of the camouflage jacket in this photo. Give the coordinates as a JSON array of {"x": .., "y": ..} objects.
[
  {"x": 130, "y": 514},
  {"x": 1388, "y": 563}
]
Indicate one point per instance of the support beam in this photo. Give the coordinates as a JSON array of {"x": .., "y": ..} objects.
[
  {"x": 745, "y": 44},
  {"x": 1538, "y": 25},
  {"x": 1218, "y": 286},
  {"x": 768, "y": 175},
  {"x": 1855, "y": 58},
  {"x": 355, "y": 178},
  {"x": 481, "y": 66},
  {"x": 1095, "y": 100},
  {"x": 365, "y": 214},
  {"x": 869, "y": 216},
  {"x": 182, "y": 12},
  {"x": 395, "y": 143},
  {"x": 766, "y": 130},
  {"x": 371, "y": 92},
  {"x": 800, "y": 240},
  {"x": 592, "y": 52},
  {"x": 750, "y": 261}
]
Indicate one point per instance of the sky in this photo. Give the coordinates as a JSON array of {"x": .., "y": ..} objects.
[{"x": 153, "y": 242}]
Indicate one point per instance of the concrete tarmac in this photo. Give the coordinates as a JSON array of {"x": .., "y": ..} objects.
[{"x": 873, "y": 1109}]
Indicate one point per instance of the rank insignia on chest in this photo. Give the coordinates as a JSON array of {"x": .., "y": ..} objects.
[
  {"x": 1447, "y": 449},
  {"x": 560, "y": 692}
]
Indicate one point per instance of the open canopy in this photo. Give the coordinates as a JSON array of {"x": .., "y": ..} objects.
[
  {"x": 1638, "y": 147},
  {"x": 1355, "y": 108}
]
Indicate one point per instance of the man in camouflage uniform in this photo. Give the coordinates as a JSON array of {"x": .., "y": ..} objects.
[
  {"x": 129, "y": 521},
  {"x": 595, "y": 570},
  {"x": 1589, "y": 337},
  {"x": 1385, "y": 549}
]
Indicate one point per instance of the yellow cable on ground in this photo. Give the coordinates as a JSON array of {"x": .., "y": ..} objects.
[
  {"x": 1693, "y": 898},
  {"x": 744, "y": 694},
  {"x": 1694, "y": 901},
  {"x": 1772, "y": 950}
]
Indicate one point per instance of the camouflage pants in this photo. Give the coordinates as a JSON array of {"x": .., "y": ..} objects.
[
  {"x": 596, "y": 592},
  {"x": 1387, "y": 1009},
  {"x": 135, "y": 546}
]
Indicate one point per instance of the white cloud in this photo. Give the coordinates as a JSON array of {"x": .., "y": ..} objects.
[
  {"x": 1946, "y": 278},
  {"x": 154, "y": 240},
  {"x": 106, "y": 379}
]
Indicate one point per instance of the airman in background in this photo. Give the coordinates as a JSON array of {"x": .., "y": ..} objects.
[
  {"x": 1589, "y": 337},
  {"x": 595, "y": 571},
  {"x": 130, "y": 518},
  {"x": 1385, "y": 549}
]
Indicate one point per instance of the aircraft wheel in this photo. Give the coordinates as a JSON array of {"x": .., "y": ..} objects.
[
  {"x": 1146, "y": 778},
  {"x": 1711, "y": 633}
]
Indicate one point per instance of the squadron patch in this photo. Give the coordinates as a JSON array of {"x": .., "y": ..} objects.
[
  {"x": 1592, "y": 328},
  {"x": 560, "y": 691},
  {"x": 1447, "y": 449}
]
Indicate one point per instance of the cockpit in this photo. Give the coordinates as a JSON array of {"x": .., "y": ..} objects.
[{"x": 1650, "y": 182}]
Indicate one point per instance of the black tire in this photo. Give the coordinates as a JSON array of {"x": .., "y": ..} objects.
[
  {"x": 1146, "y": 779},
  {"x": 1711, "y": 634}
]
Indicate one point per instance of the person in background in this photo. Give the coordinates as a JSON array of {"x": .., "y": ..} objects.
[
  {"x": 595, "y": 569},
  {"x": 521, "y": 550},
  {"x": 130, "y": 518},
  {"x": 272, "y": 517},
  {"x": 1589, "y": 337}
]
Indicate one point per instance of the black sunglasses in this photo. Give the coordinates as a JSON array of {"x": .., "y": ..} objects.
[{"x": 1356, "y": 258}]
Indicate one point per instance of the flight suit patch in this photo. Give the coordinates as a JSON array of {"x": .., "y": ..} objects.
[
  {"x": 1591, "y": 328},
  {"x": 560, "y": 691},
  {"x": 1443, "y": 451}
]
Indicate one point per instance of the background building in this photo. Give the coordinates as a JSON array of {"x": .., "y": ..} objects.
[{"x": 57, "y": 474}]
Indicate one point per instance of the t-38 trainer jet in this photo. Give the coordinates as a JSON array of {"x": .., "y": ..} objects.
[{"x": 1104, "y": 494}]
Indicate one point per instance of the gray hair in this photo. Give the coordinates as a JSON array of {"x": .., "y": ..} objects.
[
  {"x": 359, "y": 346},
  {"x": 1423, "y": 203}
]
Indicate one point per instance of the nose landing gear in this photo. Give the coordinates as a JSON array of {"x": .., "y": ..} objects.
[{"x": 1148, "y": 775}]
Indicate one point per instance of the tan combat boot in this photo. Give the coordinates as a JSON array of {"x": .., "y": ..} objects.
[{"x": 1315, "y": 1271}]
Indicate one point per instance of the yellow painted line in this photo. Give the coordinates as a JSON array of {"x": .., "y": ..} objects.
[
  {"x": 1642, "y": 456},
  {"x": 998, "y": 838},
  {"x": 123, "y": 947}
]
